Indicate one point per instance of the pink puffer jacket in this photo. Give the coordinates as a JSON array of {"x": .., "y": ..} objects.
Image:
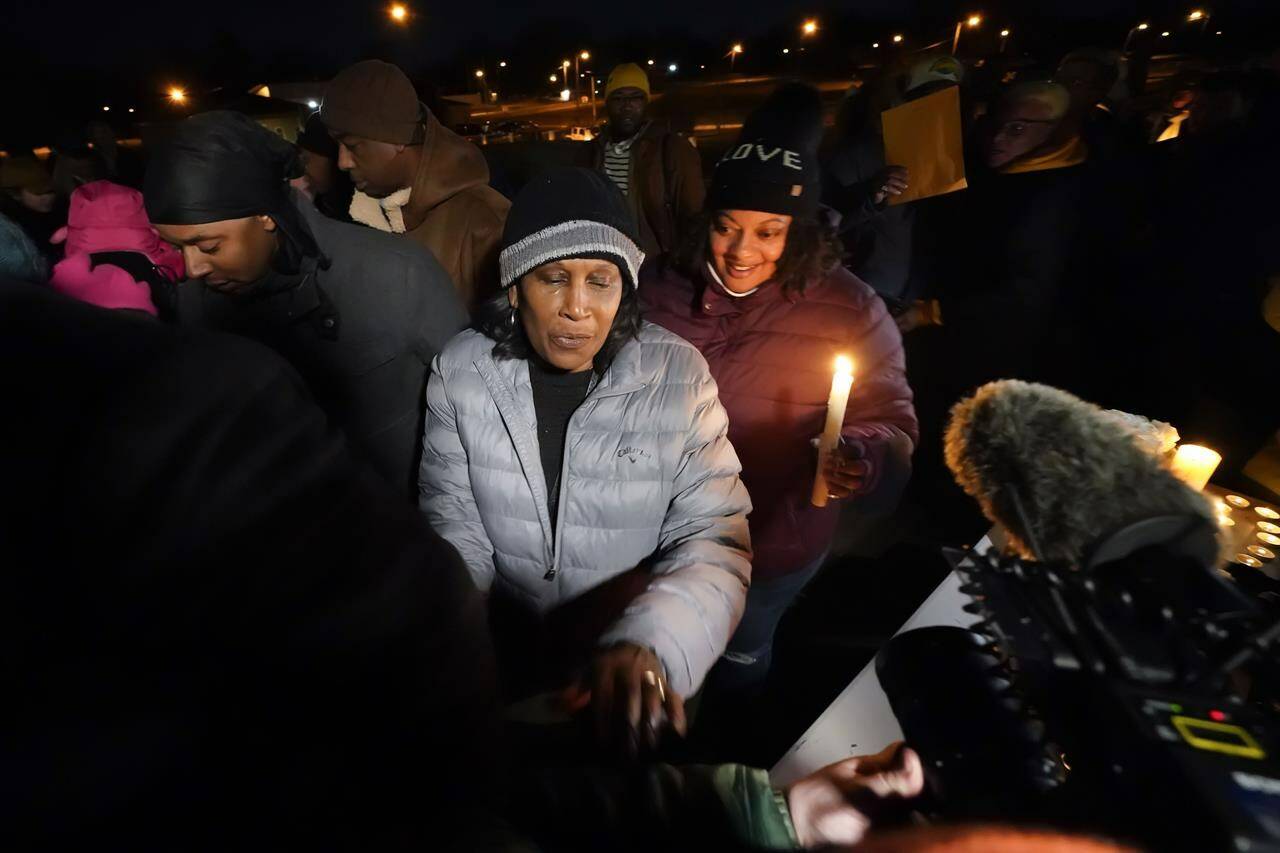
[{"x": 107, "y": 217}]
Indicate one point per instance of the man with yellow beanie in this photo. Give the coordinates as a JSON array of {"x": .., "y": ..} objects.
[{"x": 657, "y": 169}]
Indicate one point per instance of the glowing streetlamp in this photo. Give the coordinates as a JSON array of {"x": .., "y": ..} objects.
[
  {"x": 502, "y": 64},
  {"x": 177, "y": 95},
  {"x": 1201, "y": 17},
  {"x": 315, "y": 105},
  {"x": 1165, "y": 34},
  {"x": 672, "y": 68},
  {"x": 733, "y": 54},
  {"x": 552, "y": 78},
  {"x": 480, "y": 72},
  {"x": 398, "y": 13},
  {"x": 582, "y": 56},
  {"x": 785, "y": 51},
  {"x": 1142, "y": 27},
  {"x": 897, "y": 39},
  {"x": 973, "y": 22},
  {"x": 651, "y": 63},
  {"x": 106, "y": 109},
  {"x": 875, "y": 45},
  {"x": 1004, "y": 38},
  {"x": 810, "y": 27},
  {"x": 130, "y": 109}
]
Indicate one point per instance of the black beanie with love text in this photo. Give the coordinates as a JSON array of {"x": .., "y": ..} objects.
[{"x": 773, "y": 167}]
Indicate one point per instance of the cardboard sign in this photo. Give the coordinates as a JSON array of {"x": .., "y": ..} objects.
[{"x": 924, "y": 136}]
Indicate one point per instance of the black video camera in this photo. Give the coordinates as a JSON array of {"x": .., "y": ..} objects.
[{"x": 1134, "y": 697}]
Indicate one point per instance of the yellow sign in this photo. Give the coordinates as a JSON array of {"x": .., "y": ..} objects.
[{"x": 924, "y": 135}]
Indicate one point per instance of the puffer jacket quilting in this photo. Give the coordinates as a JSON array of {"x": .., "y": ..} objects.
[{"x": 649, "y": 475}]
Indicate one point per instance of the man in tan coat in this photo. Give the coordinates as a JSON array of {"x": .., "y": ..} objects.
[{"x": 414, "y": 176}]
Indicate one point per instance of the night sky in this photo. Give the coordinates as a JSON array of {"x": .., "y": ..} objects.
[{"x": 76, "y": 54}]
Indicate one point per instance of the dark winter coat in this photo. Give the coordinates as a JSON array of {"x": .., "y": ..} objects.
[
  {"x": 772, "y": 355},
  {"x": 666, "y": 189},
  {"x": 362, "y": 331},
  {"x": 221, "y": 631}
]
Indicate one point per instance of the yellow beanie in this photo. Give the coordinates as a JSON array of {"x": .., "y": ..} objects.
[{"x": 628, "y": 75}]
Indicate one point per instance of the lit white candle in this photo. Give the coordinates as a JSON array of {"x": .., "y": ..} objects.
[
  {"x": 1269, "y": 538},
  {"x": 1261, "y": 553},
  {"x": 1268, "y": 527},
  {"x": 1249, "y": 560},
  {"x": 1266, "y": 512},
  {"x": 1194, "y": 465},
  {"x": 841, "y": 383},
  {"x": 1237, "y": 501}
]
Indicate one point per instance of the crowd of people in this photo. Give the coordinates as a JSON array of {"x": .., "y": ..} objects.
[{"x": 455, "y": 454}]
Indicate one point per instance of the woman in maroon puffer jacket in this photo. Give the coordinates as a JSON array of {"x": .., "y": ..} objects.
[{"x": 760, "y": 292}]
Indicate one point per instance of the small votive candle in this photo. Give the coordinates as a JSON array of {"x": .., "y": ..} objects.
[
  {"x": 1248, "y": 560},
  {"x": 1266, "y": 512},
  {"x": 1261, "y": 553},
  {"x": 1268, "y": 527},
  {"x": 1226, "y": 521},
  {"x": 1194, "y": 465},
  {"x": 1237, "y": 501},
  {"x": 1269, "y": 538}
]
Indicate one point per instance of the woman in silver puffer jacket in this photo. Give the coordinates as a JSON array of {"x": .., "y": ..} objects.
[{"x": 572, "y": 450}]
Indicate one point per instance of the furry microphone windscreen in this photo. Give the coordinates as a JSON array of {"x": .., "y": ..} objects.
[{"x": 1078, "y": 473}]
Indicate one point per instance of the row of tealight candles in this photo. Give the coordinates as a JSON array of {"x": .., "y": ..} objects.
[{"x": 1267, "y": 531}]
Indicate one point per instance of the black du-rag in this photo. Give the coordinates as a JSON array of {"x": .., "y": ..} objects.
[{"x": 223, "y": 165}]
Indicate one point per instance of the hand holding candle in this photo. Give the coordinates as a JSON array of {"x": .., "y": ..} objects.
[{"x": 837, "y": 402}]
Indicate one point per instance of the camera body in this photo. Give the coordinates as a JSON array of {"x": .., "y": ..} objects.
[{"x": 1105, "y": 698}]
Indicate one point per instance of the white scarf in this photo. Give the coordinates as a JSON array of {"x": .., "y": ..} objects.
[
  {"x": 384, "y": 214},
  {"x": 716, "y": 278}
]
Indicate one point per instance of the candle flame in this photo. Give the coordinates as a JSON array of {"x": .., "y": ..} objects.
[{"x": 844, "y": 365}]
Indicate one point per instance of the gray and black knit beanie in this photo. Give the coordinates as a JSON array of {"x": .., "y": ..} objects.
[{"x": 569, "y": 213}]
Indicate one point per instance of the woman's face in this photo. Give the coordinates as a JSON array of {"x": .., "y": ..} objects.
[
  {"x": 567, "y": 308},
  {"x": 746, "y": 246}
]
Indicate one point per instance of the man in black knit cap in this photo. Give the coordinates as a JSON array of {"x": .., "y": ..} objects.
[{"x": 358, "y": 313}]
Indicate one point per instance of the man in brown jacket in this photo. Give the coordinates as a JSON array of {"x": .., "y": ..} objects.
[
  {"x": 414, "y": 176},
  {"x": 658, "y": 170}
]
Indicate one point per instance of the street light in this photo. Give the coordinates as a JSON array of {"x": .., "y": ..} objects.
[
  {"x": 897, "y": 39},
  {"x": 480, "y": 72},
  {"x": 672, "y": 68},
  {"x": 651, "y": 62},
  {"x": 582, "y": 56},
  {"x": 177, "y": 96},
  {"x": 399, "y": 13},
  {"x": 502, "y": 64},
  {"x": 875, "y": 45},
  {"x": 1124, "y": 48},
  {"x": 785, "y": 51},
  {"x": 973, "y": 21},
  {"x": 311, "y": 104},
  {"x": 130, "y": 109},
  {"x": 1165, "y": 34},
  {"x": 106, "y": 109},
  {"x": 1004, "y": 37},
  {"x": 733, "y": 54},
  {"x": 1202, "y": 17},
  {"x": 810, "y": 27},
  {"x": 552, "y": 78}
]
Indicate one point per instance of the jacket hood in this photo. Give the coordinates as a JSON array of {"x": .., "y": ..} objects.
[
  {"x": 107, "y": 217},
  {"x": 450, "y": 165}
]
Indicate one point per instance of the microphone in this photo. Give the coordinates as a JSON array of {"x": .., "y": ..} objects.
[{"x": 1069, "y": 482}]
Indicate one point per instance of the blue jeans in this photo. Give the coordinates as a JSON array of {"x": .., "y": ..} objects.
[{"x": 745, "y": 664}]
